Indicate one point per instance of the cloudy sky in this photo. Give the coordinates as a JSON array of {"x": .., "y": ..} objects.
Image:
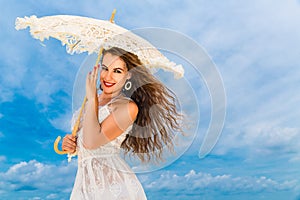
[{"x": 253, "y": 45}]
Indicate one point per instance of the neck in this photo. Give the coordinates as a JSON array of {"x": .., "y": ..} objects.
[{"x": 104, "y": 97}]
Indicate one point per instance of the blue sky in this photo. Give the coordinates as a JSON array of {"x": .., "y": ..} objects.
[{"x": 255, "y": 46}]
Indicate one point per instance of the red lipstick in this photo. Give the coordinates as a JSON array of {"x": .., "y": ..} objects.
[{"x": 107, "y": 84}]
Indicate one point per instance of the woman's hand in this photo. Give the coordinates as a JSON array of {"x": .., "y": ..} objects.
[
  {"x": 91, "y": 81},
  {"x": 69, "y": 143}
]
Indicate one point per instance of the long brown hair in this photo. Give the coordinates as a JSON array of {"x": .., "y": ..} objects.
[{"x": 158, "y": 120}]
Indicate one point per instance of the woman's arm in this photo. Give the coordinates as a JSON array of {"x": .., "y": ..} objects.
[
  {"x": 122, "y": 116},
  {"x": 95, "y": 134}
]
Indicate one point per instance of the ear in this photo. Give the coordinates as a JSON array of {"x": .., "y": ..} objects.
[{"x": 129, "y": 75}]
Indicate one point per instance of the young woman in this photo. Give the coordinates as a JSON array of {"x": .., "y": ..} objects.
[{"x": 136, "y": 114}]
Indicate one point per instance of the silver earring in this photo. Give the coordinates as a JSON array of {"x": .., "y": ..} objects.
[{"x": 127, "y": 85}]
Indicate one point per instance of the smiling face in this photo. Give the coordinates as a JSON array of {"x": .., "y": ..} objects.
[{"x": 113, "y": 75}]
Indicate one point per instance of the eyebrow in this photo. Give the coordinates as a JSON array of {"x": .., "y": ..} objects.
[
  {"x": 114, "y": 67},
  {"x": 119, "y": 68}
]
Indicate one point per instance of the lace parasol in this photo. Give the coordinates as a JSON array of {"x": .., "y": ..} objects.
[{"x": 83, "y": 34}]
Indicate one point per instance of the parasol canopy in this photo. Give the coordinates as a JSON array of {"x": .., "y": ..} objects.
[{"x": 83, "y": 34}]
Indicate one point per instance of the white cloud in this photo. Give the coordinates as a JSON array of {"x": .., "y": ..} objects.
[
  {"x": 198, "y": 182},
  {"x": 62, "y": 122},
  {"x": 263, "y": 139},
  {"x": 35, "y": 198},
  {"x": 52, "y": 196},
  {"x": 34, "y": 175}
]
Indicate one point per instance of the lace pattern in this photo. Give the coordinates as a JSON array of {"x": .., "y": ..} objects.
[
  {"x": 102, "y": 172},
  {"x": 82, "y": 34}
]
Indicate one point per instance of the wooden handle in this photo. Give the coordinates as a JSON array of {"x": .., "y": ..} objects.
[
  {"x": 112, "y": 16},
  {"x": 76, "y": 126},
  {"x": 56, "y": 147}
]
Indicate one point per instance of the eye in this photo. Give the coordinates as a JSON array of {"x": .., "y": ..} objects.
[
  {"x": 118, "y": 71},
  {"x": 104, "y": 68}
]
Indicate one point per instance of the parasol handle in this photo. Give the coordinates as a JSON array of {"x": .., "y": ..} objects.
[
  {"x": 112, "y": 16},
  {"x": 56, "y": 147},
  {"x": 74, "y": 131},
  {"x": 75, "y": 128}
]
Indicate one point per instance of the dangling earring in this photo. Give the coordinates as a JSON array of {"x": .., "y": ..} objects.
[{"x": 127, "y": 85}]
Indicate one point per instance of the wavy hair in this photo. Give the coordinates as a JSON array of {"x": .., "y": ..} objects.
[{"x": 158, "y": 120}]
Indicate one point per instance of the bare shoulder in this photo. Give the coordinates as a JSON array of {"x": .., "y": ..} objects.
[
  {"x": 127, "y": 106},
  {"x": 133, "y": 108},
  {"x": 130, "y": 106}
]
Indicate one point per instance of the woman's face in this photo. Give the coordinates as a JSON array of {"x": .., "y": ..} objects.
[{"x": 113, "y": 74}]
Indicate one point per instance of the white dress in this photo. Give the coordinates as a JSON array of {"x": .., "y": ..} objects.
[{"x": 102, "y": 173}]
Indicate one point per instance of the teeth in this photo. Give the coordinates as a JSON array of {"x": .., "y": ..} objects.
[{"x": 108, "y": 84}]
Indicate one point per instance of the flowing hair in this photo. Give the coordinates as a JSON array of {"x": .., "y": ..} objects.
[{"x": 158, "y": 120}]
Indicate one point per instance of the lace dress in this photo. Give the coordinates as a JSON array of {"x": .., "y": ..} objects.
[{"x": 102, "y": 173}]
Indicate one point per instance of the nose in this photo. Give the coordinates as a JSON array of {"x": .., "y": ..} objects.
[{"x": 108, "y": 75}]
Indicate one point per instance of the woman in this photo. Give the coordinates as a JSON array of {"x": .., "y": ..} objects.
[{"x": 137, "y": 114}]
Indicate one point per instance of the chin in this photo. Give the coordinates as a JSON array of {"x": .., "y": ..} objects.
[{"x": 110, "y": 90}]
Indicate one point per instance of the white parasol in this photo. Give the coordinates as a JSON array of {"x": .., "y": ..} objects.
[{"x": 83, "y": 34}]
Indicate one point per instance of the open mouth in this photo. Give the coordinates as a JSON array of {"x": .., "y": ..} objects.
[{"x": 107, "y": 84}]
